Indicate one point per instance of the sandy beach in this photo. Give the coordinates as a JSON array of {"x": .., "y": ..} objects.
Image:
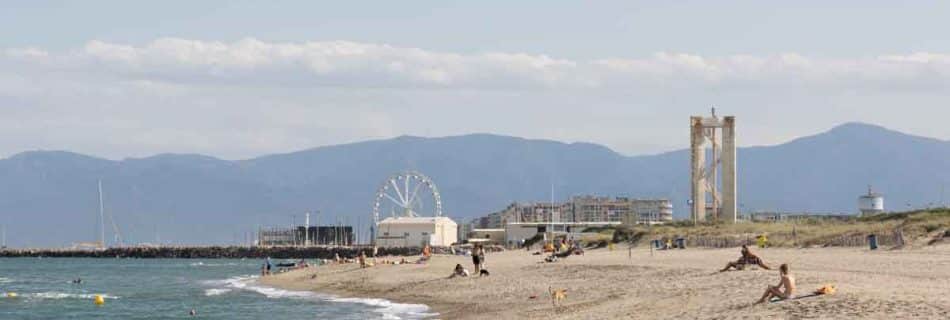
[{"x": 638, "y": 284}]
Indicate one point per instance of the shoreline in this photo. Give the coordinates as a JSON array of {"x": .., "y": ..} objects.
[
  {"x": 386, "y": 307},
  {"x": 608, "y": 284}
]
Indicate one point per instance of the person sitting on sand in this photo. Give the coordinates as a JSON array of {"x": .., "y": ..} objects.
[
  {"x": 747, "y": 258},
  {"x": 787, "y": 282},
  {"x": 459, "y": 272},
  {"x": 426, "y": 253}
]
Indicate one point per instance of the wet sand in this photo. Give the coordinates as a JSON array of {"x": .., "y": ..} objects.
[{"x": 675, "y": 284}]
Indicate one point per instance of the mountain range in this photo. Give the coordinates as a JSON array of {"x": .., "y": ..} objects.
[{"x": 49, "y": 198}]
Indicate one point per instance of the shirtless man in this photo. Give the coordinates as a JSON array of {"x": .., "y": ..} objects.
[
  {"x": 747, "y": 258},
  {"x": 788, "y": 283}
]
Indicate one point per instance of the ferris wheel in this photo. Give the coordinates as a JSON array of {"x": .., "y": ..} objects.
[{"x": 407, "y": 194}]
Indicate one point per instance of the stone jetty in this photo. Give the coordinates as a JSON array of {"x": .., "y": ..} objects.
[{"x": 213, "y": 252}]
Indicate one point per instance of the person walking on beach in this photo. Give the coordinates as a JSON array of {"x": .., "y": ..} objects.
[
  {"x": 481, "y": 258},
  {"x": 267, "y": 266},
  {"x": 787, "y": 282},
  {"x": 477, "y": 258}
]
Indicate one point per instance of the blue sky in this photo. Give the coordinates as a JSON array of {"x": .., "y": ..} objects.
[
  {"x": 569, "y": 29},
  {"x": 240, "y": 79}
]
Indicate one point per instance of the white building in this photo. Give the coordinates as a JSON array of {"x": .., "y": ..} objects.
[
  {"x": 652, "y": 211},
  {"x": 486, "y": 236},
  {"x": 416, "y": 232},
  {"x": 517, "y": 231},
  {"x": 627, "y": 210},
  {"x": 871, "y": 203}
]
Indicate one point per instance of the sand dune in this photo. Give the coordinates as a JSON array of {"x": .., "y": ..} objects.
[{"x": 677, "y": 284}]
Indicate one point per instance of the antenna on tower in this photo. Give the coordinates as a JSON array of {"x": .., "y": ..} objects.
[
  {"x": 116, "y": 235},
  {"x": 102, "y": 222},
  {"x": 306, "y": 230}
]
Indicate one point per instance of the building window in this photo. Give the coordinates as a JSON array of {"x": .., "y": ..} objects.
[
  {"x": 386, "y": 233},
  {"x": 406, "y": 234},
  {"x": 425, "y": 234}
]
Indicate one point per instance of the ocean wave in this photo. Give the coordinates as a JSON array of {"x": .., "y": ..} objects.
[
  {"x": 249, "y": 283},
  {"x": 5, "y": 280},
  {"x": 64, "y": 295},
  {"x": 216, "y": 291},
  {"x": 387, "y": 309},
  {"x": 212, "y": 264},
  {"x": 392, "y": 310}
]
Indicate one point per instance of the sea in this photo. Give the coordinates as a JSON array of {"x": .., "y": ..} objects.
[{"x": 169, "y": 289}]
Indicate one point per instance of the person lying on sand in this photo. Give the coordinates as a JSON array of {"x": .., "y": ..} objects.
[
  {"x": 459, "y": 272},
  {"x": 747, "y": 258},
  {"x": 787, "y": 282}
]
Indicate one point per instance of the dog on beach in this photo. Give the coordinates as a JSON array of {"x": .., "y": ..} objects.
[
  {"x": 557, "y": 295},
  {"x": 483, "y": 273}
]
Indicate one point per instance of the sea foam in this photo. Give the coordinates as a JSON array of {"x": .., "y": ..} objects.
[
  {"x": 216, "y": 291},
  {"x": 387, "y": 309}
]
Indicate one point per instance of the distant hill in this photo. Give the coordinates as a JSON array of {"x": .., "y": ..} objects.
[{"x": 48, "y": 198}]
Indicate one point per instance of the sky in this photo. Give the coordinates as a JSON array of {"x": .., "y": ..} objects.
[{"x": 238, "y": 79}]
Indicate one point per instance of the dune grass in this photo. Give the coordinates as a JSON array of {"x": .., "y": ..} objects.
[{"x": 798, "y": 233}]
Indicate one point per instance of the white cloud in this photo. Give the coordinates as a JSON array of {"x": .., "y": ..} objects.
[
  {"x": 359, "y": 65},
  {"x": 250, "y": 97}
]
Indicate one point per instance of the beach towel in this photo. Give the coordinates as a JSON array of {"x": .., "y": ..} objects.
[{"x": 825, "y": 290}]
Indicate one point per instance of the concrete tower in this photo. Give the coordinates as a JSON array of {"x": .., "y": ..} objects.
[{"x": 704, "y": 178}]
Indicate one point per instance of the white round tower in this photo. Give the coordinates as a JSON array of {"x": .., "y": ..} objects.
[{"x": 871, "y": 203}]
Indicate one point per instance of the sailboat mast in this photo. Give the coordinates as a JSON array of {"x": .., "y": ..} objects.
[{"x": 102, "y": 224}]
